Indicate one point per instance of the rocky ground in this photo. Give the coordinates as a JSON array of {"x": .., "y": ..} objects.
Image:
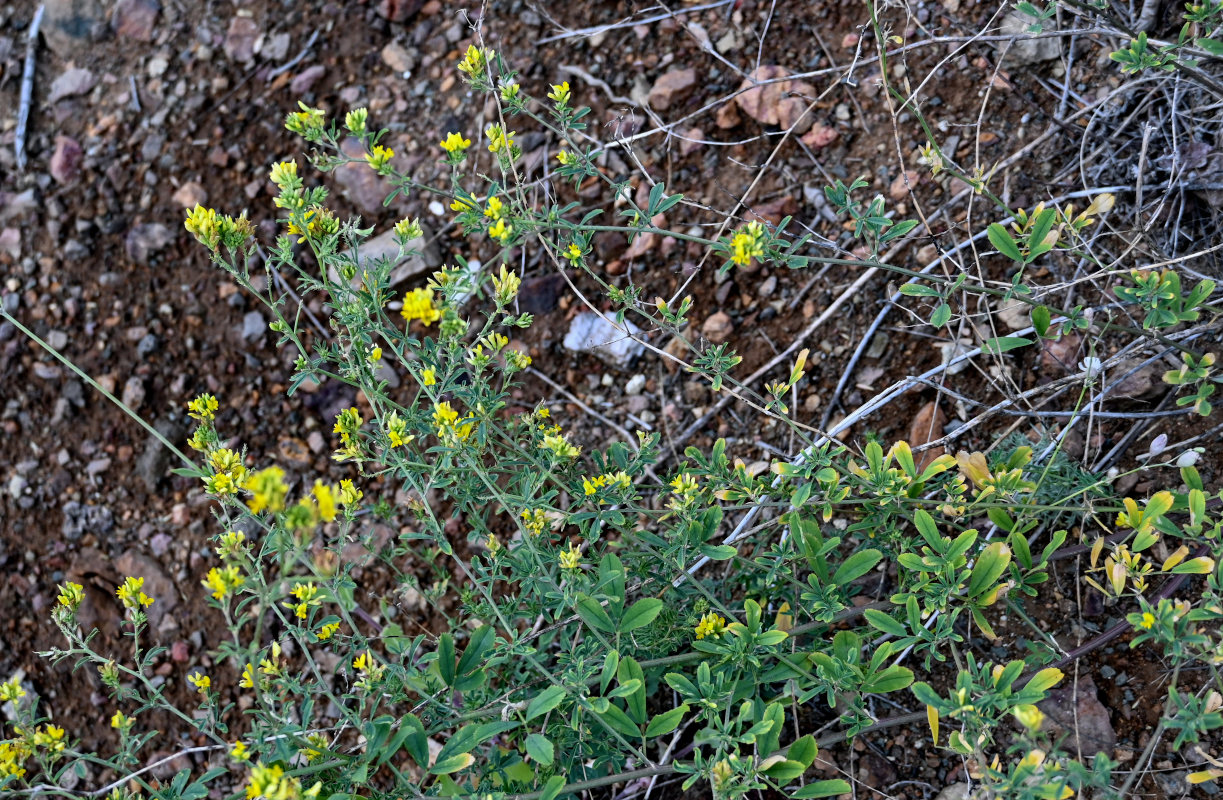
[{"x": 143, "y": 108}]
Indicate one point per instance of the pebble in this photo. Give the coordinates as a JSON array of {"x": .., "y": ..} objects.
[
  {"x": 437, "y": 209},
  {"x": 71, "y": 83},
  {"x": 718, "y": 327},
  {"x": 240, "y": 39},
  {"x": 316, "y": 442},
  {"x": 160, "y": 544},
  {"x": 671, "y": 87},
  {"x": 48, "y": 372},
  {"x": 276, "y": 47},
  {"x": 591, "y": 333},
  {"x": 635, "y": 385},
  {"x": 133, "y": 392},
  {"x": 134, "y": 19},
  {"x": 189, "y": 195},
  {"x": 65, "y": 163},
  {"x": 17, "y": 485},
  {"x": 57, "y": 339},
  {"x": 767, "y": 287},
  {"x": 253, "y": 326},
  {"x": 80, "y": 519},
  {"x": 304, "y": 81},
  {"x": 397, "y": 57},
  {"x": 142, "y": 241},
  {"x": 97, "y": 466},
  {"x": 147, "y": 345}
]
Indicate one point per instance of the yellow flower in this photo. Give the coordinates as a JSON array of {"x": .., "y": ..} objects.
[
  {"x": 570, "y": 558},
  {"x": 455, "y": 143},
  {"x": 559, "y": 93},
  {"x": 475, "y": 61},
  {"x": 458, "y": 204},
  {"x": 446, "y": 421},
  {"x": 505, "y": 285},
  {"x": 378, "y": 157},
  {"x": 349, "y": 494},
  {"x": 201, "y": 682},
  {"x": 131, "y": 596},
  {"x": 355, "y": 121},
  {"x": 238, "y": 752},
  {"x": 121, "y": 722},
  {"x": 268, "y": 490},
  {"x": 204, "y": 225},
  {"x": 747, "y": 244},
  {"x": 11, "y": 691},
  {"x": 50, "y": 737},
  {"x": 284, "y": 174},
  {"x": 500, "y": 141},
  {"x": 307, "y": 596},
  {"x": 203, "y": 408},
  {"x": 710, "y": 625},
  {"x": 534, "y": 520},
  {"x": 308, "y": 122},
  {"x": 248, "y": 677},
  {"x": 591, "y": 486},
  {"x": 326, "y": 632},
  {"x": 428, "y": 377},
  {"x": 408, "y": 229},
  {"x": 1148, "y": 620},
  {"x": 223, "y": 581},
  {"x": 418, "y": 304},
  {"x": 566, "y": 158},
  {"x": 71, "y": 595},
  {"x": 495, "y": 207},
  {"x": 397, "y": 430},
  {"x": 574, "y": 253},
  {"x": 501, "y": 231},
  {"x": 559, "y": 446},
  {"x": 325, "y": 496}
]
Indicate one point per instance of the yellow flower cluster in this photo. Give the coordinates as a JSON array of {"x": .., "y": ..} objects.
[
  {"x": 130, "y": 594},
  {"x": 71, "y": 595},
  {"x": 505, "y": 286},
  {"x": 574, "y": 253},
  {"x": 308, "y": 122},
  {"x": 570, "y": 558},
  {"x": 13, "y": 755},
  {"x": 454, "y": 143},
  {"x": 11, "y": 691},
  {"x": 229, "y": 474},
  {"x": 618, "y": 480},
  {"x": 347, "y": 423},
  {"x": 534, "y": 520},
  {"x": 499, "y": 141},
  {"x": 559, "y": 446},
  {"x": 428, "y": 377},
  {"x": 271, "y": 783},
  {"x": 231, "y": 545},
  {"x": 446, "y": 421},
  {"x": 501, "y": 231},
  {"x": 312, "y": 222},
  {"x": 684, "y": 490},
  {"x": 121, "y": 722},
  {"x": 566, "y": 158},
  {"x": 397, "y": 430},
  {"x": 268, "y": 490},
  {"x": 306, "y": 596},
  {"x": 560, "y": 94},
  {"x": 747, "y": 243},
  {"x": 284, "y": 175},
  {"x": 51, "y": 738},
  {"x": 409, "y": 229},
  {"x": 213, "y": 230},
  {"x": 201, "y": 682},
  {"x": 371, "y": 671},
  {"x": 203, "y": 408},
  {"x": 495, "y": 208},
  {"x": 378, "y": 157},
  {"x": 475, "y": 61},
  {"x": 350, "y": 495},
  {"x": 326, "y": 631},
  {"x": 418, "y": 304},
  {"x": 710, "y": 625},
  {"x": 223, "y": 581},
  {"x": 355, "y": 121}
]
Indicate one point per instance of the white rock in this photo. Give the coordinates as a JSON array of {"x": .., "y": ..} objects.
[
  {"x": 635, "y": 385},
  {"x": 591, "y": 333}
]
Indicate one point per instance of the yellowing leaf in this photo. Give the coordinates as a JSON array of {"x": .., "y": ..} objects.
[
  {"x": 932, "y": 718},
  {"x": 974, "y": 467}
]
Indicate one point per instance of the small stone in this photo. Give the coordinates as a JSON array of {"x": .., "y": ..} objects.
[
  {"x": 10, "y": 243},
  {"x": 727, "y": 116},
  {"x": 66, "y": 159},
  {"x": 190, "y": 195},
  {"x": 179, "y": 651},
  {"x": 1075, "y": 709},
  {"x": 305, "y": 80},
  {"x": 276, "y": 47},
  {"x": 240, "y": 39},
  {"x": 360, "y": 183},
  {"x": 768, "y": 287},
  {"x": 820, "y": 136},
  {"x": 671, "y": 87},
  {"x": 57, "y": 339},
  {"x": 68, "y": 26},
  {"x": 841, "y": 112},
  {"x": 71, "y": 83},
  {"x": 769, "y": 98},
  {"x": 17, "y": 485},
  {"x": 397, "y": 57},
  {"x": 592, "y": 333},
  {"x": 48, "y": 372},
  {"x": 1025, "y": 49},
  {"x": 956, "y": 791},
  {"x": 316, "y": 442},
  {"x": 134, "y": 19},
  {"x": 81, "y": 519},
  {"x": 253, "y": 326},
  {"x": 97, "y": 466},
  {"x": 635, "y": 385},
  {"x": 147, "y": 345},
  {"x": 899, "y": 189},
  {"x": 133, "y": 392},
  {"x": 718, "y": 327},
  {"x": 691, "y": 141},
  {"x": 143, "y": 241},
  {"x": 398, "y": 10},
  {"x": 878, "y": 346},
  {"x": 160, "y": 544}
]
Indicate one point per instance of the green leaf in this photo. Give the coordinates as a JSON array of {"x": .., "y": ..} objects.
[
  {"x": 822, "y": 789},
  {"x": 888, "y": 680},
  {"x": 990, "y": 565},
  {"x": 1040, "y": 320},
  {"x": 592, "y": 614},
  {"x": 884, "y": 622},
  {"x": 925, "y": 694},
  {"x": 540, "y": 749},
  {"x": 941, "y": 315},
  {"x": 786, "y": 770},
  {"x": 803, "y": 750},
  {"x": 856, "y": 566},
  {"x": 478, "y": 645},
  {"x": 453, "y": 764},
  {"x": 1004, "y": 344},
  {"x": 416, "y": 742},
  {"x": 918, "y": 290},
  {"x": 545, "y": 701},
  {"x": 1002, "y": 241},
  {"x": 666, "y": 722},
  {"x": 641, "y": 613},
  {"x": 618, "y": 721},
  {"x": 718, "y": 552},
  {"x": 625, "y": 688},
  {"x": 445, "y": 660},
  {"x": 1212, "y": 46},
  {"x": 552, "y": 788}
]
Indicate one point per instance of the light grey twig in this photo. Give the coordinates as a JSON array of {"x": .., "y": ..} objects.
[
  {"x": 27, "y": 87},
  {"x": 293, "y": 62}
]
